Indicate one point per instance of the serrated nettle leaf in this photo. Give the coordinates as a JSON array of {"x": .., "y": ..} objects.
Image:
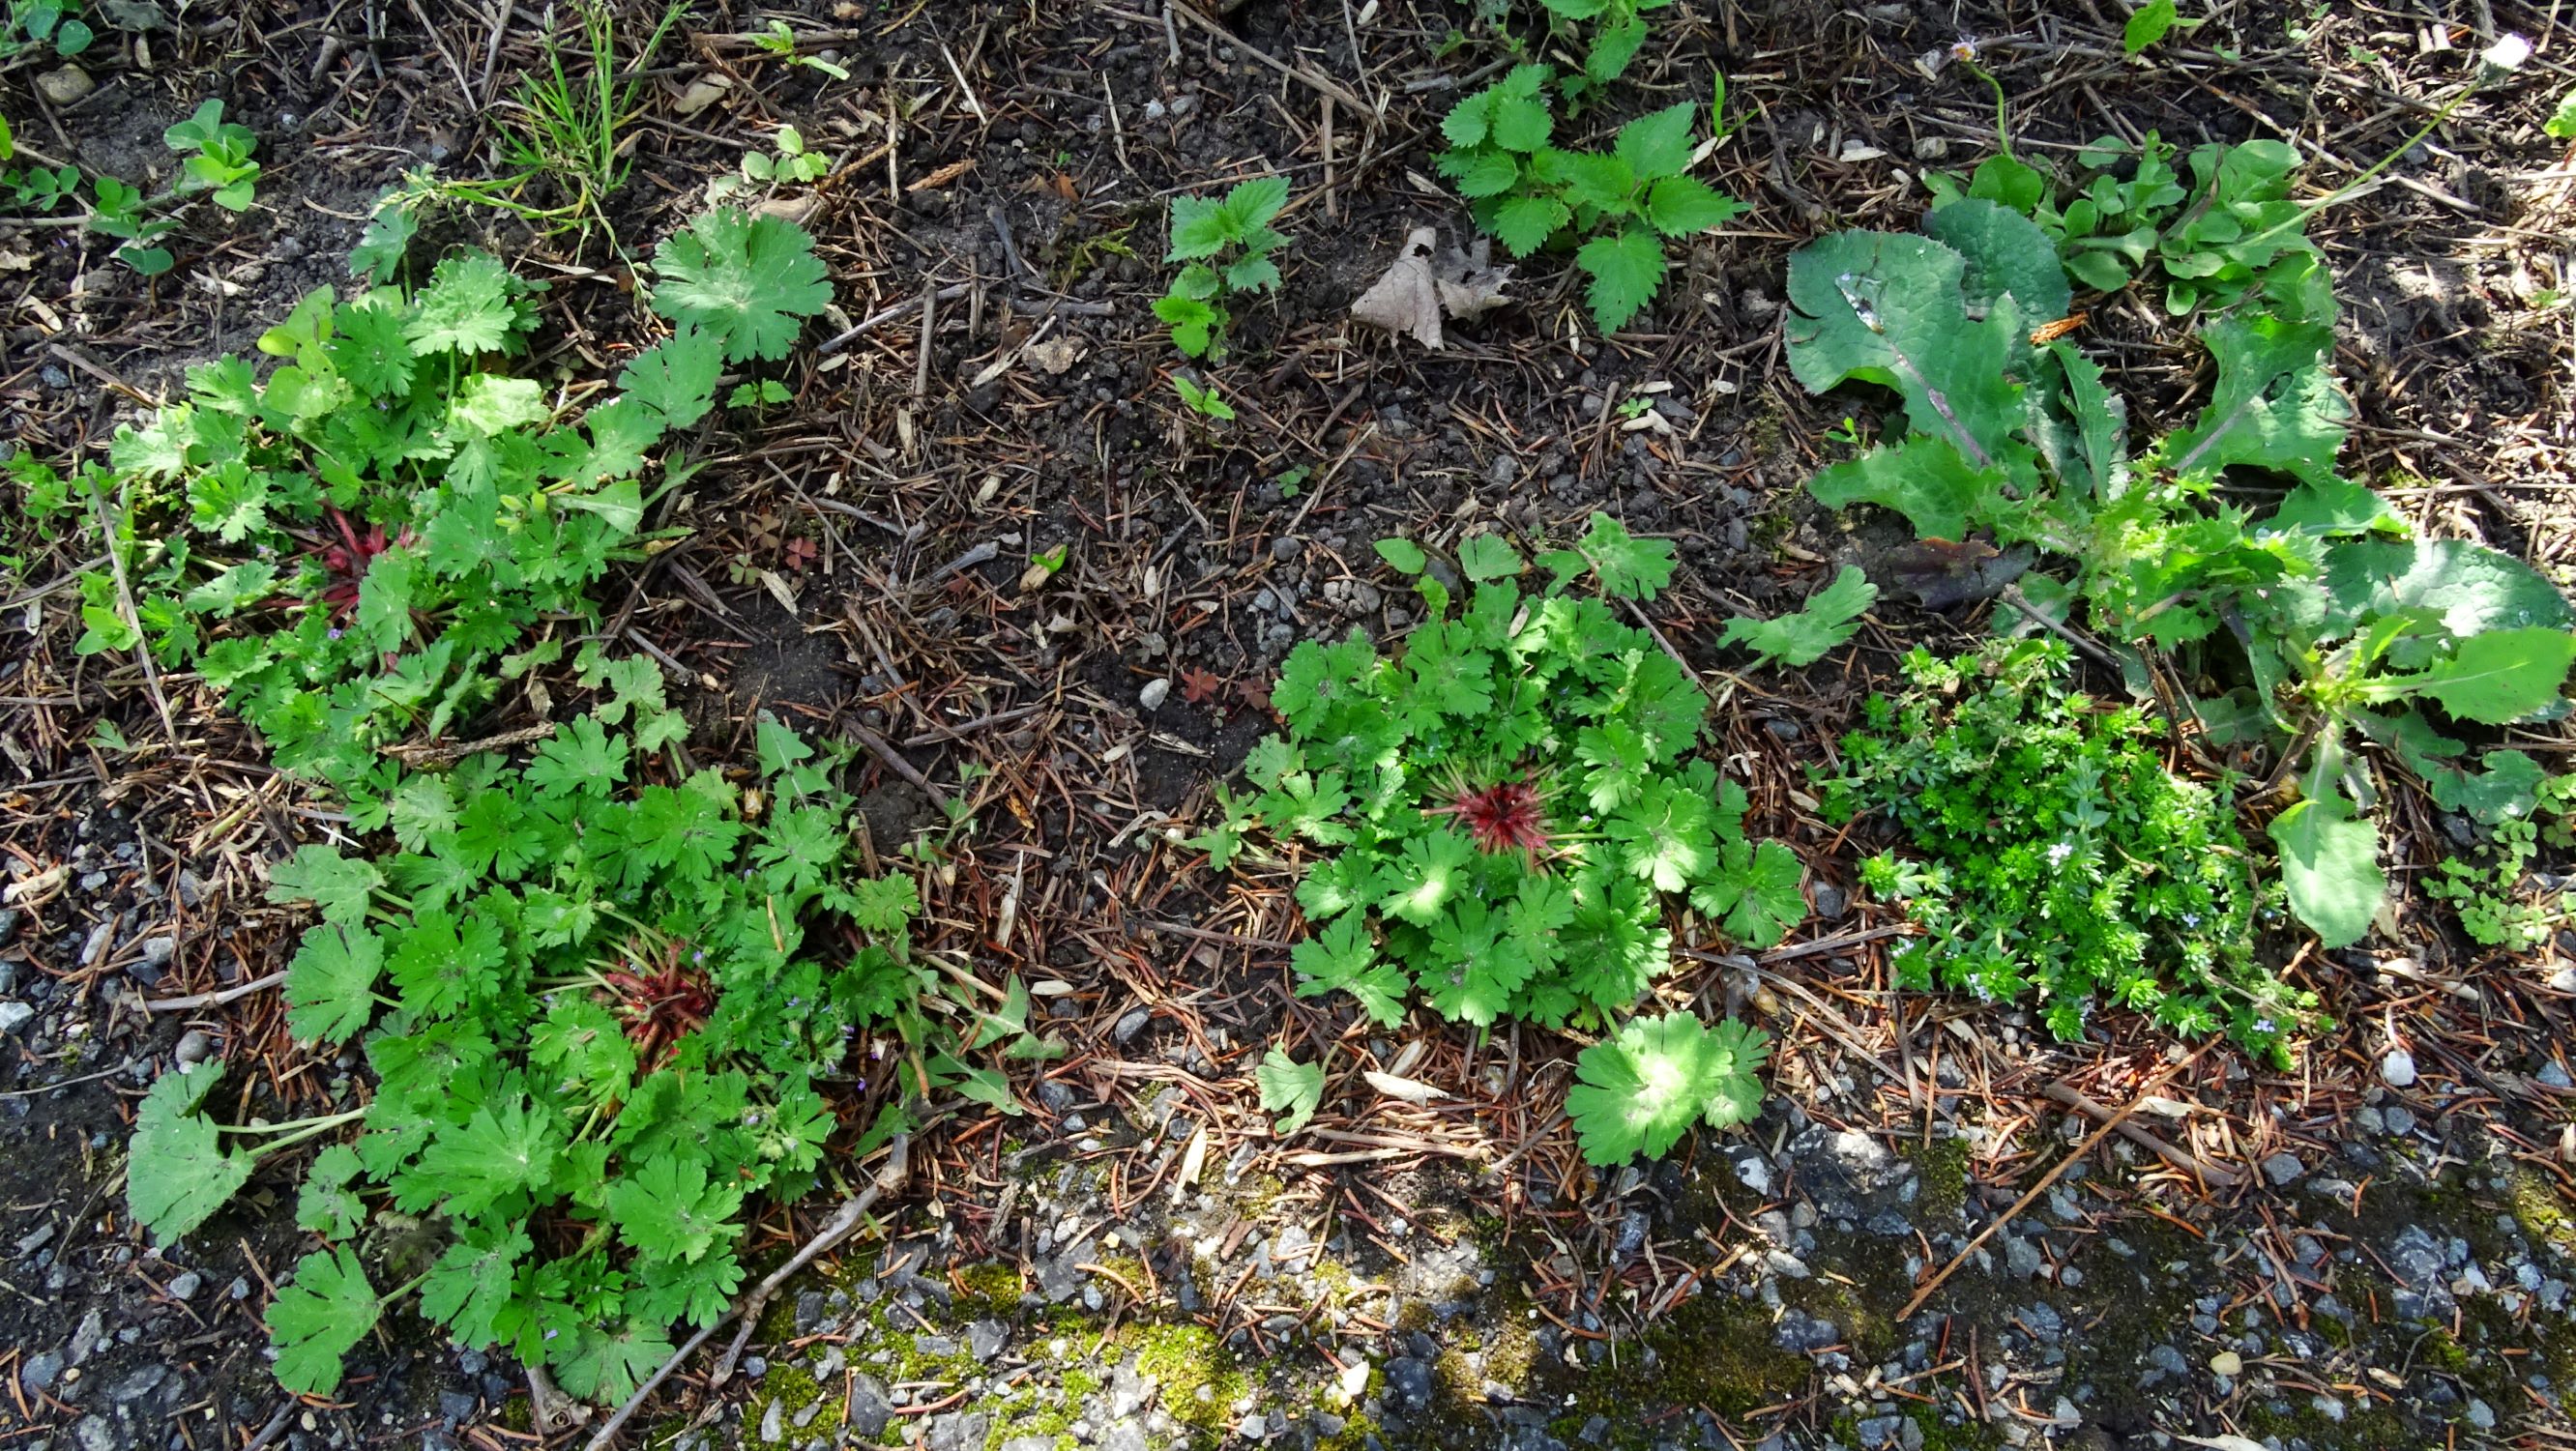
[
  {"x": 1490, "y": 174},
  {"x": 1614, "y": 46},
  {"x": 1627, "y": 270},
  {"x": 1680, "y": 206},
  {"x": 1470, "y": 120},
  {"x": 1658, "y": 144},
  {"x": 1520, "y": 123},
  {"x": 1524, "y": 222}
]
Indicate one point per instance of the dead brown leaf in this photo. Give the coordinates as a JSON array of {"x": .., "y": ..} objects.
[{"x": 1419, "y": 289}]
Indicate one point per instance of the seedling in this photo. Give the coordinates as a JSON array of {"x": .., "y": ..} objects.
[
  {"x": 1203, "y": 401},
  {"x": 565, "y": 135},
  {"x": 1226, "y": 246},
  {"x": 1529, "y": 194},
  {"x": 780, "y": 40},
  {"x": 40, "y": 22},
  {"x": 118, "y": 213},
  {"x": 1641, "y": 1090},
  {"x": 792, "y": 165},
  {"x": 2150, "y": 23},
  {"x": 217, "y": 156},
  {"x": 1290, "y": 1089}
]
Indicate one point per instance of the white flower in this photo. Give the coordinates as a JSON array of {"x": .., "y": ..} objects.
[
  {"x": 2506, "y": 54},
  {"x": 1965, "y": 48},
  {"x": 2058, "y": 854}
]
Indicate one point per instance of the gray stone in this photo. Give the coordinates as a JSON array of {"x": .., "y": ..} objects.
[
  {"x": 95, "y": 1434},
  {"x": 135, "y": 1387},
  {"x": 84, "y": 1342},
  {"x": 14, "y": 1015},
  {"x": 2417, "y": 1260},
  {"x": 1131, "y": 1025},
  {"x": 1124, "y": 1434},
  {"x": 869, "y": 1408},
  {"x": 773, "y": 1422},
  {"x": 1410, "y": 1380},
  {"x": 64, "y": 84},
  {"x": 41, "y": 1371},
  {"x": 809, "y": 1312},
  {"x": 2283, "y": 1169},
  {"x": 956, "y": 1431},
  {"x": 2022, "y": 1259},
  {"x": 2553, "y": 1075},
  {"x": 186, "y": 1284},
  {"x": 1805, "y": 1333},
  {"x": 2166, "y": 1360},
  {"x": 985, "y": 1338},
  {"x": 1878, "y": 1431}
]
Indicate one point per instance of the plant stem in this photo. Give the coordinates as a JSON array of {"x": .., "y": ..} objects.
[
  {"x": 296, "y": 1132},
  {"x": 2003, "y": 126},
  {"x": 2300, "y": 217}
]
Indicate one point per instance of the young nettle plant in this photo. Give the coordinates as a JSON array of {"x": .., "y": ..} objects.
[
  {"x": 1619, "y": 30},
  {"x": 1620, "y": 206},
  {"x": 2323, "y": 617},
  {"x": 1496, "y": 815},
  {"x": 1226, "y": 246}
]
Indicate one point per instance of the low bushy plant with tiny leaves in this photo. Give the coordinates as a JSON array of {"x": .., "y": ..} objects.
[{"x": 2051, "y": 855}]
